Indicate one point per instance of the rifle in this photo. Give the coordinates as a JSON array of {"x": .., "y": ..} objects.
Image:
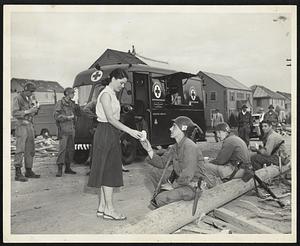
[
  {"x": 157, "y": 190},
  {"x": 267, "y": 189}
]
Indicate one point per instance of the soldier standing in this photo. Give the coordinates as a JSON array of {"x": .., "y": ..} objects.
[
  {"x": 244, "y": 124},
  {"x": 271, "y": 116},
  {"x": 24, "y": 110},
  {"x": 217, "y": 118},
  {"x": 64, "y": 114}
]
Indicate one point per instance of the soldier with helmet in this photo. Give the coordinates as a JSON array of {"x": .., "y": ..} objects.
[
  {"x": 187, "y": 164},
  {"x": 234, "y": 151},
  {"x": 64, "y": 114},
  {"x": 24, "y": 109},
  {"x": 271, "y": 116}
]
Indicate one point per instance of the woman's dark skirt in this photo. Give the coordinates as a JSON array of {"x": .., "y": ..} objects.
[{"x": 106, "y": 166}]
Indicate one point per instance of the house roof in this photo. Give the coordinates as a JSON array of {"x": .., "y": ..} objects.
[
  {"x": 227, "y": 81},
  {"x": 286, "y": 95},
  {"x": 41, "y": 85},
  {"x": 260, "y": 91},
  {"x": 111, "y": 57}
]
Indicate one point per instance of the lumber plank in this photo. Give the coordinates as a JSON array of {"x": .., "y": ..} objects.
[
  {"x": 171, "y": 217},
  {"x": 221, "y": 224},
  {"x": 249, "y": 225}
]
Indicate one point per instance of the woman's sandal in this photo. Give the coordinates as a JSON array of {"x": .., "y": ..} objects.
[
  {"x": 99, "y": 213},
  {"x": 110, "y": 217}
]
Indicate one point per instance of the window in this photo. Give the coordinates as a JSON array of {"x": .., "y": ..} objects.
[
  {"x": 126, "y": 94},
  {"x": 231, "y": 96},
  {"x": 213, "y": 96},
  {"x": 83, "y": 94},
  {"x": 259, "y": 102},
  {"x": 240, "y": 95}
]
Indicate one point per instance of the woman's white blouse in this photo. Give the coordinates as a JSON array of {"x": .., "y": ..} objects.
[{"x": 115, "y": 104}]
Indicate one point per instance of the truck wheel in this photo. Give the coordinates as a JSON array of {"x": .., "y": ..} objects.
[
  {"x": 128, "y": 148},
  {"x": 80, "y": 156}
]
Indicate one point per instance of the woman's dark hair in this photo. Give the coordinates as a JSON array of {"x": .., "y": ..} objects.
[{"x": 117, "y": 73}]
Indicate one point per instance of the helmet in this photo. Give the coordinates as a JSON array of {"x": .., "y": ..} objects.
[
  {"x": 29, "y": 86},
  {"x": 68, "y": 91},
  {"x": 222, "y": 127},
  {"x": 183, "y": 122}
]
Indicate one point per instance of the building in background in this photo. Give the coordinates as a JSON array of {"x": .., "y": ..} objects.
[
  {"x": 263, "y": 97},
  {"x": 111, "y": 57},
  {"x": 288, "y": 101},
  {"x": 224, "y": 93}
]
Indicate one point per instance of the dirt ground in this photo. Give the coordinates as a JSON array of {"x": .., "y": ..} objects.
[{"x": 65, "y": 205}]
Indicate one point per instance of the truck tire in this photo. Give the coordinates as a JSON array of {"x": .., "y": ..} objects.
[
  {"x": 80, "y": 156},
  {"x": 128, "y": 148}
]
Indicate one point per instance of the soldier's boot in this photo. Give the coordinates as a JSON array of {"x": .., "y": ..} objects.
[
  {"x": 19, "y": 176},
  {"x": 59, "y": 170},
  {"x": 30, "y": 174},
  {"x": 68, "y": 169}
]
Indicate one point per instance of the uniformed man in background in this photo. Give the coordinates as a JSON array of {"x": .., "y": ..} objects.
[
  {"x": 244, "y": 124},
  {"x": 271, "y": 116},
  {"x": 24, "y": 109},
  {"x": 65, "y": 112}
]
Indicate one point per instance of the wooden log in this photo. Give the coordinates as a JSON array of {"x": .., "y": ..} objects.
[
  {"x": 171, "y": 217},
  {"x": 250, "y": 226}
]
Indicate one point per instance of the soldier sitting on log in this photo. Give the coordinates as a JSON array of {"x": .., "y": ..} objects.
[
  {"x": 233, "y": 157},
  {"x": 179, "y": 179},
  {"x": 273, "y": 147}
]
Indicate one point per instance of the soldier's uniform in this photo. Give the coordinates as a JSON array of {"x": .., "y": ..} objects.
[
  {"x": 66, "y": 129},
  {"x": 271, "y": 140},
  {"x": 244, "y": 124},
  {"x": 187, "y": 166},
  {"x": 24, "y": 133},
  {"x": 233, "y": 151},
  {"x": 271, "y": 116}
]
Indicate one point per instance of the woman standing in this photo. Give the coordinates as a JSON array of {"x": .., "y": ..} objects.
[{"x": 106, "y": 170}]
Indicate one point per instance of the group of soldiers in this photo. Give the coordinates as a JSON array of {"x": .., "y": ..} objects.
[
  {"x": 245, "y": 122},
  {"x": 24, "y": 109},
  {"x": 184, "y": 160}
]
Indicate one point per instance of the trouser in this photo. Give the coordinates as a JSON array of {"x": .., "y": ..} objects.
[
  {"x": 185, "y": 193},
  {"x": 223, "y": 171},
  {"x": 244, "y": 132},
  {"x": 66, "y": 150},
  {"x": 24, "y": 145},
  {"x": 258, "y": 160}
]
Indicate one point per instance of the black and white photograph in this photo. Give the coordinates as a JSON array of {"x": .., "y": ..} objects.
[{"x": 149, "y": 123}]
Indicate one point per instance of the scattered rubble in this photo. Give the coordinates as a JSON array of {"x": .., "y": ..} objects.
[{"x": 43, "y": 146}]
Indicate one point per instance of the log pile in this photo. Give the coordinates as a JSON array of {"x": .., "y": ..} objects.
[
  {"x": 43, "y": 146},
  {"x": 170, "y": 218}
]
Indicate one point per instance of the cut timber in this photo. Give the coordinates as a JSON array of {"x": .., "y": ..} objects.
[
  {"x": 221, "y": 224},
  {"x": 240, "y": 221},
  {"x": 171, "y": 217}
]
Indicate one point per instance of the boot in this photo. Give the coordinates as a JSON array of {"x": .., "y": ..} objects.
[
  {"x": 68, "y": 169},
  {"x": 30, "y": 174},
  {"x": 59, "y": 170},
  {"x": 19, "y": 176}
]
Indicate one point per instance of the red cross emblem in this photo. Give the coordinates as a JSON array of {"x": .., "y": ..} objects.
[{"x": 97, "y": 75}]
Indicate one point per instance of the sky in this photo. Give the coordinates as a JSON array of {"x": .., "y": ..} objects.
[{"x": 56, "y": 44}]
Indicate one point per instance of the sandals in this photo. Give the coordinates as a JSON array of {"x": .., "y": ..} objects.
[
  {"x": 99, "y": 213},
  {"x": 110, "y": 217}
]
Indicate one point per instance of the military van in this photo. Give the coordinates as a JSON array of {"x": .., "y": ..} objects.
[{"x": 150, "y": 99}]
